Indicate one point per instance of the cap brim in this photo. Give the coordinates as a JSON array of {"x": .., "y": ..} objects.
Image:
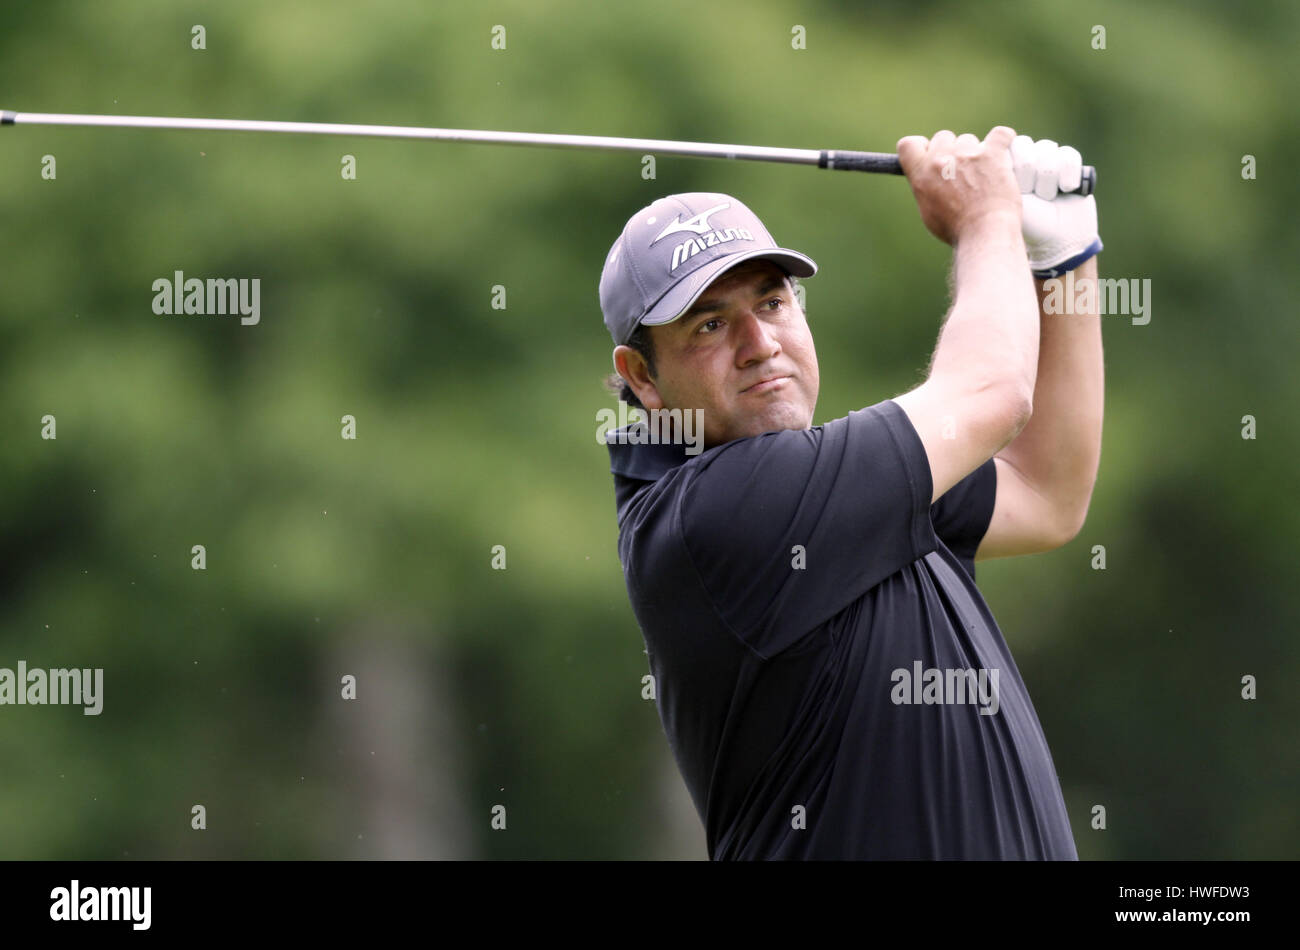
[{"x": 683, "y": 295}]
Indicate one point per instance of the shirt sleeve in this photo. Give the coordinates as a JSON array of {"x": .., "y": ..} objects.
[
  {"x": 962, "y": 514},
  {"x": 786, "y": 529}
]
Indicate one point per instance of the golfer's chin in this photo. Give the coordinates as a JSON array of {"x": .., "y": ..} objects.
[{"x": 772, "y": 417}]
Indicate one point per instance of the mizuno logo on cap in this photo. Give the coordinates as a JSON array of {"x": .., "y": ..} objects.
[{"x": 699, "y": 224}]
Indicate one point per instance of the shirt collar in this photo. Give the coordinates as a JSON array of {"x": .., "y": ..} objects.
[{"x": 644, "y": 461}]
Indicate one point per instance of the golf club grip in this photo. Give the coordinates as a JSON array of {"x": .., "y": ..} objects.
[{"x": 887, "y": 164}]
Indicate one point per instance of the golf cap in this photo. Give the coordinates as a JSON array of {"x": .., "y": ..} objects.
[{"x": 670, "y": 251}]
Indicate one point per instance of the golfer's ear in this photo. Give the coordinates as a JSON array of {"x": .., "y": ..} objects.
[{"x": 631, "y": 365}]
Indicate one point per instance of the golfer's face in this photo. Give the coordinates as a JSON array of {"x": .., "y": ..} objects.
[{"x": 743, "y": 354}]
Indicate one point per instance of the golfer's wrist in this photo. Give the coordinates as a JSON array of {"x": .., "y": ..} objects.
[{"x": 993, "y": 223}]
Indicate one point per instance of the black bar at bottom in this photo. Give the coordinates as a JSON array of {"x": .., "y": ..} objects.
[{"x": 327, "y": 899}]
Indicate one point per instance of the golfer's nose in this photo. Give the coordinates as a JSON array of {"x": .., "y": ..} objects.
[{"x": 757, "y": 340}]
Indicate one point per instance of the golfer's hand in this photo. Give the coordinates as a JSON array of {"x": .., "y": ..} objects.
[
  {"x": 961, "y": 183},
  {"x": 1060, "y": 230}
]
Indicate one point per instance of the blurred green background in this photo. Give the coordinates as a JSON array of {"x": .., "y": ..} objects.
[{"x": 476, "y": 426}]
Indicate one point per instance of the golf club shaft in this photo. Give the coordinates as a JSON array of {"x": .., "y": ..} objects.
[{"x": 881, "y": 162}]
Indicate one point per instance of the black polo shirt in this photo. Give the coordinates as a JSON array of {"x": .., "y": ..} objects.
[{"x": 809, "y": 617}]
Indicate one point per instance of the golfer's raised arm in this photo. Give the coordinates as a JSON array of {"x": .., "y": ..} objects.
[{"x": 979, "y": 390}]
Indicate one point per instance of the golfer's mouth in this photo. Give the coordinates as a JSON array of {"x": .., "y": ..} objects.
[{"x": 766, "y": 385}]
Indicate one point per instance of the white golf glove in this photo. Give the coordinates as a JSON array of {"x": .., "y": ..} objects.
[{"x": 1060, "y": 230}]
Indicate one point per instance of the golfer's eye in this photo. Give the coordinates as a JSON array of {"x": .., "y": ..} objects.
[
  {"x": 778, "y": 301},
  {"x": 707, "y": 323}
]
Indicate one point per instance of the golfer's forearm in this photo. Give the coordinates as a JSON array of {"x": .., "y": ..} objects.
[
  {"x": 1059, "y": 449},
  {"x": 990, "y": 340}
]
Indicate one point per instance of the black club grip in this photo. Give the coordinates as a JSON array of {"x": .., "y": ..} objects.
[{"x": 886, "y": 163}]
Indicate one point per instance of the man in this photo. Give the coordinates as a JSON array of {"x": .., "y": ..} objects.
[{"x": 830, "y": 680}]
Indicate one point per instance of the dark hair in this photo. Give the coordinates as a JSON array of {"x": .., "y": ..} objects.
[{"x": 641, "y": 341}]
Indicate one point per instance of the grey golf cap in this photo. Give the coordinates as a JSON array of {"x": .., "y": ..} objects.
[{"x": 670, "y": 251}]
